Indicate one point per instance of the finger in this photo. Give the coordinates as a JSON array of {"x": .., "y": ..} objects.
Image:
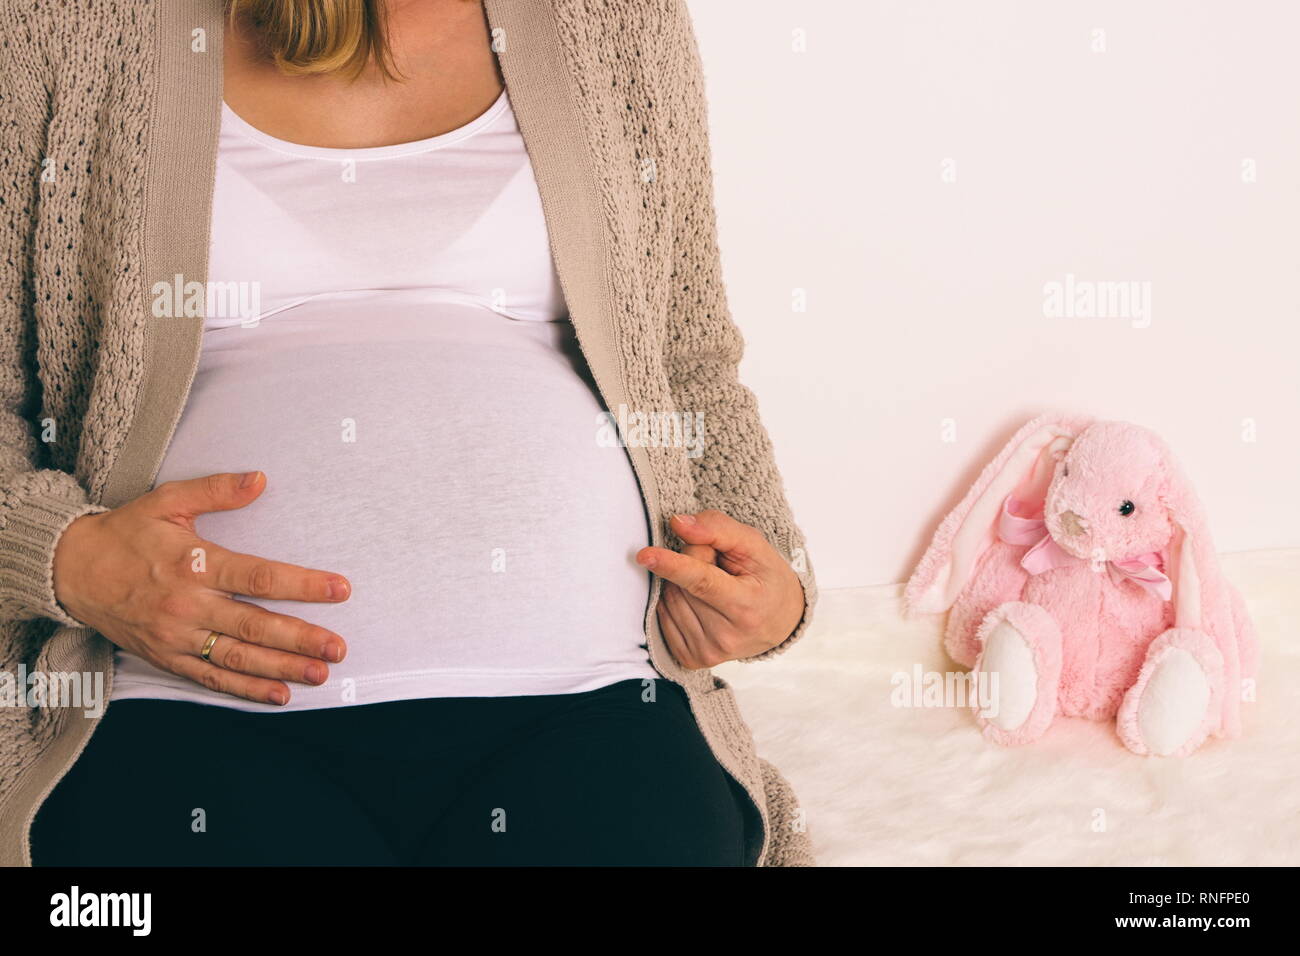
[
  {"x": 232, "y": 654},
  {"x": 188, "y": 497},
  {"x": 229, "y": 682},
  {"x": 708, "y": 582},
  {"x": 248, "y": 574},
  {"x": 701, "y": 552},
  {"x": 713, "y": 637},
  {"x": 677, "y": 644},
  {"x": 256, "y": 625},
  {"x": 684, "y": 616},
  {"x": 743, "y": 547}
]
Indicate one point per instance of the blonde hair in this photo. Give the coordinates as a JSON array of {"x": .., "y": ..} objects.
[{"x": 305, "y": 37}]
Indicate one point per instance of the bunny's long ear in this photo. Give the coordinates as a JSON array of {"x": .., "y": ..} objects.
[
  {"x": 1024, "y": 466},
  {"x": 1202, "y": 597}
]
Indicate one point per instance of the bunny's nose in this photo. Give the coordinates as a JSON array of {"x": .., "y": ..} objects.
[{"x": 1072, "y": 524}]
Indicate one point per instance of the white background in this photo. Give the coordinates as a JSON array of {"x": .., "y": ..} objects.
[{"x": 925, "y": 298}]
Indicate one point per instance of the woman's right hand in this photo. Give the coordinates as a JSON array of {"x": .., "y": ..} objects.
[{"x": 140, "y": 576}]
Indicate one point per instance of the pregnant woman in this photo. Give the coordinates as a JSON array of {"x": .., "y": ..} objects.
[{"x": 373, "y": 444}]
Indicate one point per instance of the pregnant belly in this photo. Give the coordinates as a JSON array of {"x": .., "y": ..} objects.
[{"x": 445, "y": 459}]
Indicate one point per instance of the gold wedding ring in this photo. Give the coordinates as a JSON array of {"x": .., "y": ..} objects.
[{"x": 207, "y": 648}]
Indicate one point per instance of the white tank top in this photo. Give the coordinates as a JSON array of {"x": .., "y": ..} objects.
[{"x": 387, "y": 339}]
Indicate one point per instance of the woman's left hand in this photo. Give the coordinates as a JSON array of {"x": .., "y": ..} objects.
[{"x": 727, "y": 595}]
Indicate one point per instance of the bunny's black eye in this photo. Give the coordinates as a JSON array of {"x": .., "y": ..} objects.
[
  {"x": 1126, "y": 508},
  {"x": 1065, "y": 471}
]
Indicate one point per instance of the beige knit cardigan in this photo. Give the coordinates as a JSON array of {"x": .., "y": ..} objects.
[{"x": 109, "y": 113}]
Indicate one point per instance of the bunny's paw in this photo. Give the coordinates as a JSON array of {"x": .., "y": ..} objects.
[
  {"x": 1173, "y": 706},
  {"x": 1018, "y": 673}
]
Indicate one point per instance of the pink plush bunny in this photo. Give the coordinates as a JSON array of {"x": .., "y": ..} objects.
[{"x": 1079, "y": 570}]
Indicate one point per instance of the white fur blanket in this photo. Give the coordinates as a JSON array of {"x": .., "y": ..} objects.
[{"x": 889, "y": 785}]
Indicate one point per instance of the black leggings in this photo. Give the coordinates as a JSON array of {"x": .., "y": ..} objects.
[{"x": 596, "y": 778}]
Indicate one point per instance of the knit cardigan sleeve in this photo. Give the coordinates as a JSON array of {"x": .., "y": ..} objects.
[
  {"x": 737, "y": 473},
  {"x": 36, "y": 503}
]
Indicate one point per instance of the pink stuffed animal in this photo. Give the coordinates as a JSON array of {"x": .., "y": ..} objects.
[{"x": 1079, "y": 570}]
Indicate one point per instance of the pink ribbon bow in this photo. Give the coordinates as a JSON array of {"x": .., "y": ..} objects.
[{"x": 1045, "y": 554}]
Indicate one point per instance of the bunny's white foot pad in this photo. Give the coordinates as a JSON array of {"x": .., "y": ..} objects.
[
  {"x": 1172, "y": 707},
  {"x": 1018, "y": 672}
]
